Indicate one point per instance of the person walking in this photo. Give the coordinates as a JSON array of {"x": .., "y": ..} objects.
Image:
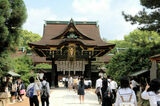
[
  {"x": 106, "y": 94},
  {"x": 33, "y": 92},
  {"x": 81, "y": 92},
  {"x": 113, "y": 86},
  {"x": 70, "y": 83},
  {"x": 75, "y": 82},
  {"x": 125, "y": 95},
  {"x": 19, "y": 81},
  {"x": 45, "y": 91},
  {"x": 14, "y": 91},
  {"x": 152, "y": 92},
  {"x": 66, "y": 82},
  {"x": 98, "y": 89},
  {"x": 22, "y": 91}
]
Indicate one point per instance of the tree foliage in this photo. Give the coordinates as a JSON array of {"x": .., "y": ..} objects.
[
  {"x": 5, "y": 63},
  {"x": 119, "y": 44},
  {"x": 27, "y": 37},
  {"x": 129, "y": 61},
  {"x": 43, "y": 66},
  {"x": 12, "y": 17},
  {"x": 142, "y": 39},
  {"x": 148, "y": 18},
  {"x": 23, "y": 65},
  {"x": 140, "y": 46}
]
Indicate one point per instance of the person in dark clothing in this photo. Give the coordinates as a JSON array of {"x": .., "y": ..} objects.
[
  {"x": 81, "y": 90},
  {"x": 105, "y": 101}
]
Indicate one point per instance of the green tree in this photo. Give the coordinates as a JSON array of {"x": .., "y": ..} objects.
[
  {"x": 119, "y": 44},
  {"x": 27, "y": 37},
  {"x": 141, "y": 45},
  {"x": 23, "y": 65},
  {"x": 12, "y": 17},
  {"x": 142, "y": 39},
  {"x": 5, "y": 63},
  {"x": 148, "y": 18},
  {"x": 131, "y": 60},
  {"x": 43, "y": 66}
]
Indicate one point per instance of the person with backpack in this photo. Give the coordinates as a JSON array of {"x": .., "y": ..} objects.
[
  {"x": 107, "y": 94},
  {"x": 33, "y": 92},
  {"x": 125, "y": 95},
  {"x": 44, "y": 92},
  {"x": 152, "y": 92}
]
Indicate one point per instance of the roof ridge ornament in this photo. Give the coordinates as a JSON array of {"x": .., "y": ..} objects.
[{"x": 72, "y": 21}]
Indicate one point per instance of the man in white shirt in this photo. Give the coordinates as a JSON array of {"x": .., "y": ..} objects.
[
  {"x": 99, "y": 82},
  {"x": 33, "y": 92},
  {"x": 98, "y": 89},
  {"x": 113, "y": 86},
  {"x": 45, "y": 86}
]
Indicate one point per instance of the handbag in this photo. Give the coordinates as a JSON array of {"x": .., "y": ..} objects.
[
  {"x": 97, "y": 90},
  {"x": 22, "y": 91}
]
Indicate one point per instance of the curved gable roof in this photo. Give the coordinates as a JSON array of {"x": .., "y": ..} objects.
[{"x": 55, "y": 28}]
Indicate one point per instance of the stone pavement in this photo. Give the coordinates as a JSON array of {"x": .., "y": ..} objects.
[{"x": 64, "y": 97}]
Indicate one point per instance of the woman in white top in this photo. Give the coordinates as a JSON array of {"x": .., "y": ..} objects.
[
  {"x": 125, "y": 93},
  {"x": 152, "y": 92}
]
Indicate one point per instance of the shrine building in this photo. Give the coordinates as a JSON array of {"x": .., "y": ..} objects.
[{"x": 71, "y": 46}]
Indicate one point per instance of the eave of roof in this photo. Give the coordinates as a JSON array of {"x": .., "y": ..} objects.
[
  {"x": 155, "y": 57},
  {"x": 55, "y": 43},
  {"x": 139, "y": 73}
]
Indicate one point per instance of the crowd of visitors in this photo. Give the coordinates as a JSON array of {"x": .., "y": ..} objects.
[
  {"x": 106, "y": 89},
  {"x": 109, "y": 93},
  {"x": 15, "y": 88}
]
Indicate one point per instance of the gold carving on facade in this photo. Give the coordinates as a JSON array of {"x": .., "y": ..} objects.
[
  {"x": 53, "y": 48},
  {"x": 71, "y": 51}
]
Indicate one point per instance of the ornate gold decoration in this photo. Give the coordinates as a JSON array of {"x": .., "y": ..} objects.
[
  {"x": 71, "y": 51},
  {"x": 71, "y": 30},
  {"x": 90, "y": 49},
  {"x": 53, "y": 48}
]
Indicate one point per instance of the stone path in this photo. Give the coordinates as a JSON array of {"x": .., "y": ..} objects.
[{"x": 64, "y": 97}]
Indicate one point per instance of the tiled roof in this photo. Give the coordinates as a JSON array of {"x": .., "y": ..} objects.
[
  {"x": 104, "y": 59},
  {"x": 37, "y": 59},
  {"x": 54, "y": 30}
]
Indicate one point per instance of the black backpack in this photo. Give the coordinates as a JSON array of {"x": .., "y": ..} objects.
[
  {"x": 108, "y": 94},
  {"x": 44, "y": 93},
  {"x": 158, "y": 103}
]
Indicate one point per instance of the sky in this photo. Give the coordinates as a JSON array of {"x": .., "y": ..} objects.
[{"x": 107, "y": 13}]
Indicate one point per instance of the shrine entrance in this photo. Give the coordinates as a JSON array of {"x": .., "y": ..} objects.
[{"x": 71, "y": 46}]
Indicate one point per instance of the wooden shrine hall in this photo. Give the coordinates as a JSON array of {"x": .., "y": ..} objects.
[{"x": 71, "y": 46}]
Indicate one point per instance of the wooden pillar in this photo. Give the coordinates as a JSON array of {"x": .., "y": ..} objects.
[
  {"x": 89, "y": 69},
  {"x": 54, "y": 76},
  {"x": 154, "y": 70}
]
